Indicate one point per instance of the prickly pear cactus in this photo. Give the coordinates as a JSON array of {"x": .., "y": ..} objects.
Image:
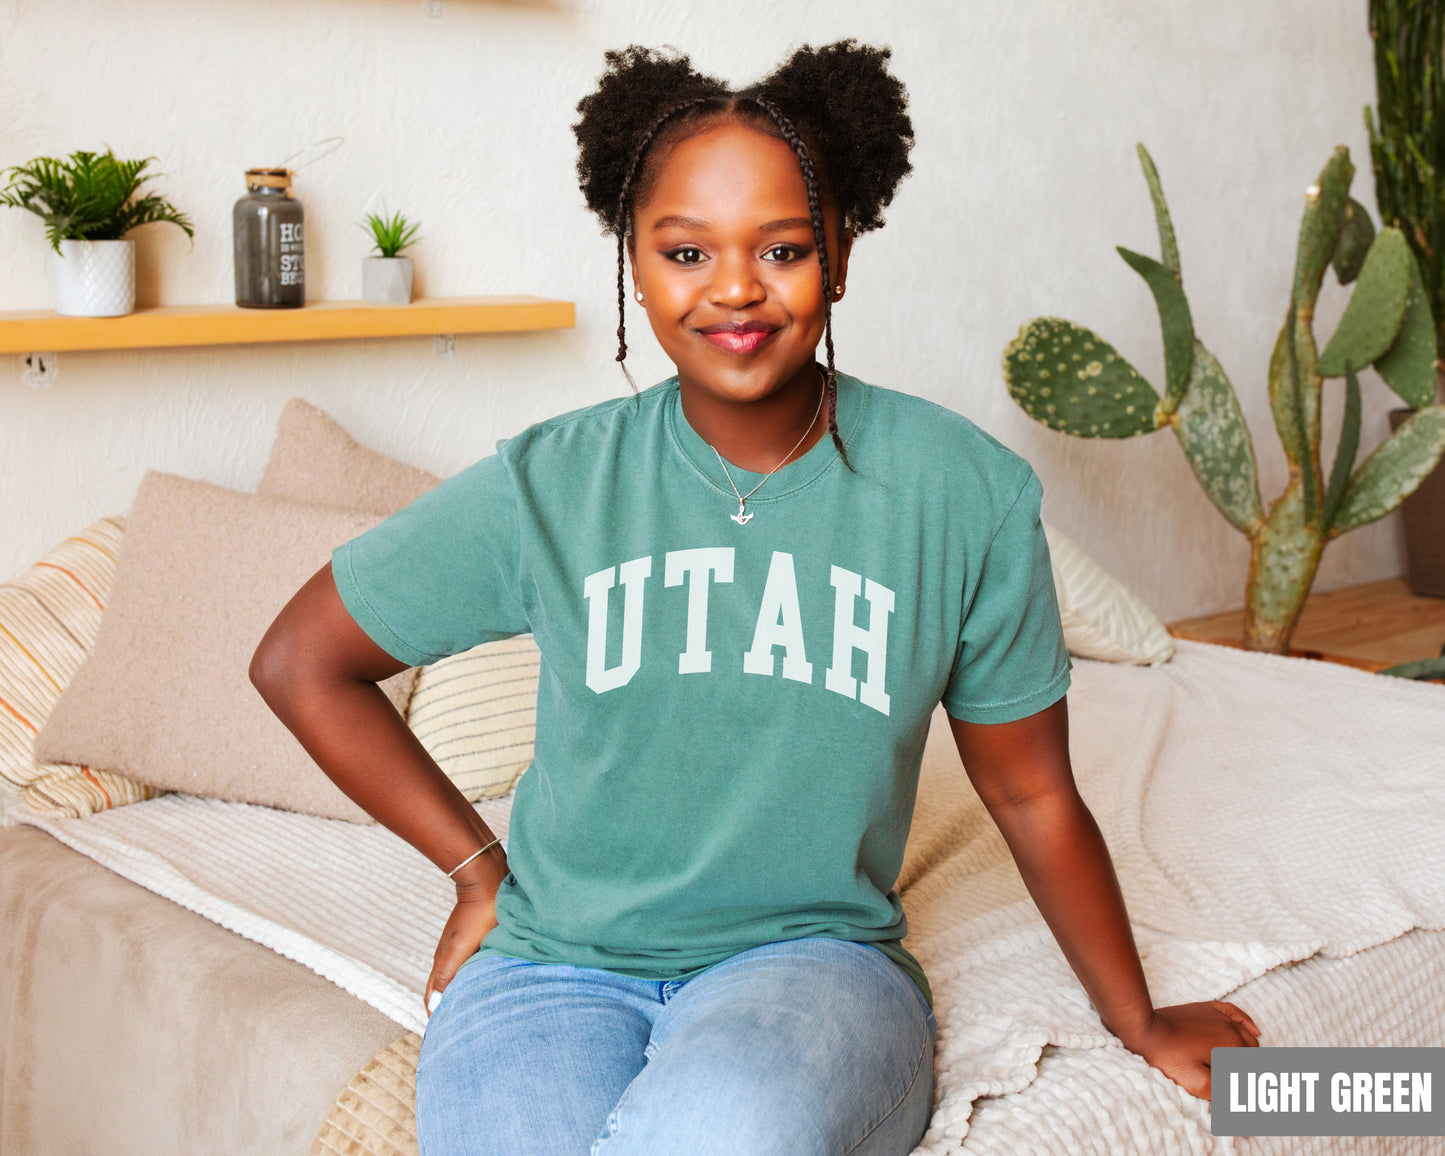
[
  {"x": 1072, "y": 380},
  {"x": 1429, "y": 669},
  {"x": 1357, "y": 233},
  {"x": 1409, "y": 365},
  {"x": 1211, "y": 429},
  {"x": 1372, "y": 319}
]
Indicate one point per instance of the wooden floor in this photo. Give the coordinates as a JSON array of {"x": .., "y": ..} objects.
[{"x": 1374, "y": 625}]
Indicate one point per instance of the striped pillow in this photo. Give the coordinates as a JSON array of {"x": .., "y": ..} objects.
[
  {"x": 476, "y": 713},
  {"x": 1103, "y": 619},
  {"x": 49, "y": 617}
]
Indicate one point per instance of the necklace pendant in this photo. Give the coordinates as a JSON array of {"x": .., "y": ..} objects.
[{"x": 742, "y": 518}]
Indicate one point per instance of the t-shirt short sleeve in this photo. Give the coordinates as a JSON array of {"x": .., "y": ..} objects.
[
  {"x": 442, "y": 574},
  {"x": 1011, "y": 657}
]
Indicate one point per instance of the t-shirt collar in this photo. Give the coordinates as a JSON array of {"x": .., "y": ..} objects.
[{"x": 822, "y": 456}]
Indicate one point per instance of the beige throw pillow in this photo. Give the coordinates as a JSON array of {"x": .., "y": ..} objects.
[
  {"x": 475, "y": 712},
  {"x": 314, "y": 460},
  {"x": 1102, "y": 619},
  {"x": 165, "y": 698},
  {"x": 49, "y": 617}
]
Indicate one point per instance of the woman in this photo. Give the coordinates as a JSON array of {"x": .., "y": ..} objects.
[{"x": 750, "y": 586}]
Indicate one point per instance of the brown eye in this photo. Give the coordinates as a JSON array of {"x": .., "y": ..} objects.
[
  {"x": 782, "y": 253},
  {"x": 687, "y": 255}
]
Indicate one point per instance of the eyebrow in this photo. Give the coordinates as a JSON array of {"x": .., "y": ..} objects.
[
  {"x": 788, "y": 223},
  {"x": 676, "y": 222},
  {"x": 778, "y": 226}
]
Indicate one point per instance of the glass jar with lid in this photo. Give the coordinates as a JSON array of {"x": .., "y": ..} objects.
[{"x": 269, "y": 227}]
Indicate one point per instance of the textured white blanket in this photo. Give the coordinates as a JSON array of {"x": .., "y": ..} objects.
[{"x": 1259, "y": 810}]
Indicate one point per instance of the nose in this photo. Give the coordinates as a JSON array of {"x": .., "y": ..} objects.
[{"x": 735, "y": 283}]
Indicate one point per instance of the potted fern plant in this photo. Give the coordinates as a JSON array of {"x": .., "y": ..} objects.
[
  {"x": 386, "y": 278},
  {"x": 89, "y": 202}
]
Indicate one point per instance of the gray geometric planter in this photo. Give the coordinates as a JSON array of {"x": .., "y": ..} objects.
[{"x": 386, "y": 280}]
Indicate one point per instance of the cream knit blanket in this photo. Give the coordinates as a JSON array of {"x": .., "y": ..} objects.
[{"x": 1259, "y": 810}]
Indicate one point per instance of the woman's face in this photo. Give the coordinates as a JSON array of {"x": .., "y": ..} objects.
[{"x": 724, "y": 256}]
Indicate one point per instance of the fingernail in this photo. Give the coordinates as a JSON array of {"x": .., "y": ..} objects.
[{"x": 431, "y": 1004}]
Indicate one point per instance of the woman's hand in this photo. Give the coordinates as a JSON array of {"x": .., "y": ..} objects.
[
  {"x": 466, "y": 927},
  {"x": 474, "y": 915},
  {"x": 1177, "y": 1040}
]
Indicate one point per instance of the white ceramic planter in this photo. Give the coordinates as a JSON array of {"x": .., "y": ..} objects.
[
  {"x": 94, "y": 278},
  {"x": 386, "y": 280}
]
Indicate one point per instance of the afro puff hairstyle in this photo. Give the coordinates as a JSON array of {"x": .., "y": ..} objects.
[{"x": 838, "y": 107}]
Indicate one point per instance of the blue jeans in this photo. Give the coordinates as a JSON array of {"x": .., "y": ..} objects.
[{"x": 807, "y": 1046}]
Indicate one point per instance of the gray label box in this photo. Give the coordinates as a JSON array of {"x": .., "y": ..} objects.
[{"x": 1326, "y": 1092}]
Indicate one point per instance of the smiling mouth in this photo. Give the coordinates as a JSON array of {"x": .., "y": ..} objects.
[{"x": 736, "y": 337}]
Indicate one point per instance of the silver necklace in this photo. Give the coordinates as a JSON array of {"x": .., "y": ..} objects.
[{"x": 741, "y": 518}]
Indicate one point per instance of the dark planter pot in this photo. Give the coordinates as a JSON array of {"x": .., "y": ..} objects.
[{"x": 1424, "y": 514}]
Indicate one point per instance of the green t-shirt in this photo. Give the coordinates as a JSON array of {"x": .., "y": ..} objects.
[{"x": 730, "y": 717}]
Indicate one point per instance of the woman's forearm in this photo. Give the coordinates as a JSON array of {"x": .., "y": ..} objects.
[
  {"x": 355, "y": 735},
  {"x": 317, "y": 670},
  {"x": 1022, "y": 773},
  {"x": 1065, "y": 864}
]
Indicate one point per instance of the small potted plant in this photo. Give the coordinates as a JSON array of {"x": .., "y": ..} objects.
[
  {"x": 89, "y": 202},
  {"x": 386, "y": 279}
]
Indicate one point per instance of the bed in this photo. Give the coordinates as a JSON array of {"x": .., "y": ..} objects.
[{"x": 176, "y": 974}]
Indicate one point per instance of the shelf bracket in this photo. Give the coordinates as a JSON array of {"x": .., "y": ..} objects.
[
  {"x": 39, "y": 370},
  {"x": 445, "y": 344}
]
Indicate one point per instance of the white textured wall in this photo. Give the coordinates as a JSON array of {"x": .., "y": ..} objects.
[{"x": 1026, "y": 116}]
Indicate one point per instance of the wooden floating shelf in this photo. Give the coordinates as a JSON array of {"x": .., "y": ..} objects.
[{"x": 174, "y": 325}]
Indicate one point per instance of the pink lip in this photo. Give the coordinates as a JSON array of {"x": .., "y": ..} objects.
[{"x": 739, "y": 337}]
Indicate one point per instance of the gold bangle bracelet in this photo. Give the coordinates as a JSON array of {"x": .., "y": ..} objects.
[{"x": 472, "y": 856}]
